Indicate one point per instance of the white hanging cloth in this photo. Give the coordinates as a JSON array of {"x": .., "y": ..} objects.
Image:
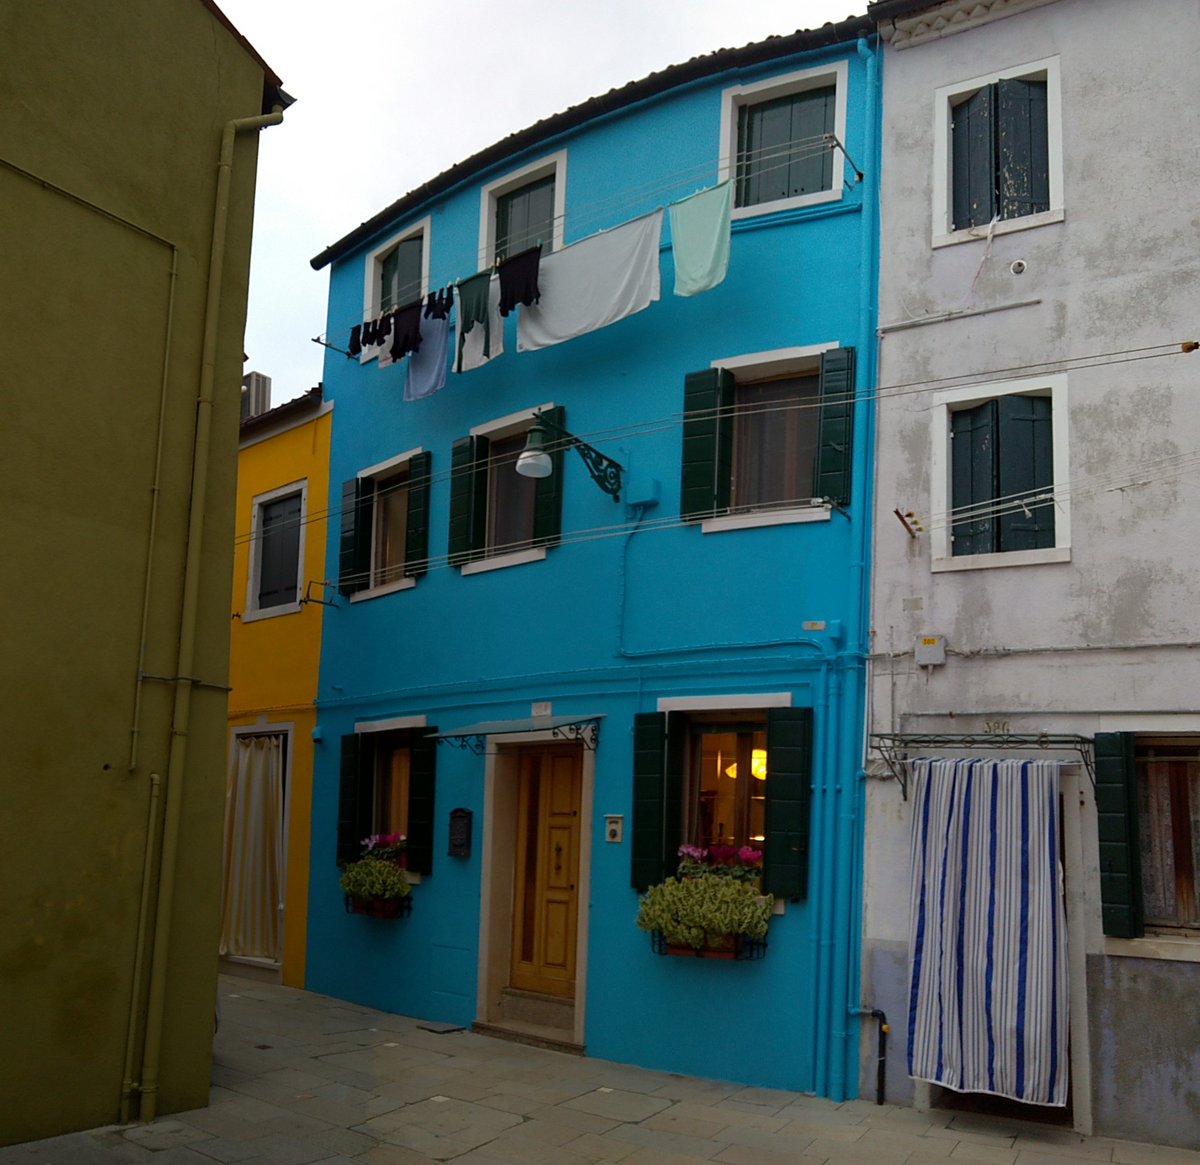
[{"x": 594, "y": 283}]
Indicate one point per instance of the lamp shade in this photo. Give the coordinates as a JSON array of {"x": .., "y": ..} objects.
[{"x": 534, "y": 460}]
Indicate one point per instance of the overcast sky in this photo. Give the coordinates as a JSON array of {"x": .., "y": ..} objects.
[{"x": 390, "y": 93}]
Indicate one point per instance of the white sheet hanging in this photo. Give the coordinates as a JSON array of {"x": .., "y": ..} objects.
[
  {"x": 988, "y": 942},
  {"x": 594, "y": 283}
]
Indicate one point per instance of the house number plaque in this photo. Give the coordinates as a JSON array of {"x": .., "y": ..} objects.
[{"x": 460, "y": 833}]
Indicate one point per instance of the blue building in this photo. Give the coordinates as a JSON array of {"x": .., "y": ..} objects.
[{"x": 551, "y": 682}]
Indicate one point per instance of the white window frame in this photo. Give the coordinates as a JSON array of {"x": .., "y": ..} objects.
[
  {"x": 753, "y": 366},
  {"x": 553, "y": 164},
  {"x": 383, "y": 469},
  {"x": 253, "y": 612},
  {"x": 732, "y": 100},
  {"x": 941, "y": 493},
  {"x": 944, "y": 99},
  {"x": 373, "y": 273},
  {"x": 506, "y": 426}
]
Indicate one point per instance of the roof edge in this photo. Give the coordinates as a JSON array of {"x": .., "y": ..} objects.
[{"x": 672, "y": 77}]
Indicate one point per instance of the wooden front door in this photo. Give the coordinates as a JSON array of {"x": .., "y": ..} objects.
[{"x": 545, "y": 902}]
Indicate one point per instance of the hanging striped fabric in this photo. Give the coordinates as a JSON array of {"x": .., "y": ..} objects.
[{"x": 988, "y": 941}]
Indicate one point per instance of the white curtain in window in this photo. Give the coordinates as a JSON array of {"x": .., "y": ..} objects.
[
  {"x": 253, "y": 849},
  {"x": 988, "y": 941}
]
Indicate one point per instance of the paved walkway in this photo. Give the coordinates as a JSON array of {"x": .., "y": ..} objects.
[{"x": 301, "y": 1079}]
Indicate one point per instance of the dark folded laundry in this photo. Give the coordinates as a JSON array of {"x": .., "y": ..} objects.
[
  {"x": 356, "y": 339},
  {"x": 519, "y": 279},
  {"x": 406, "y": 330},
  {"x": 472, "y": 310},
  {"x": 439, "y": 304},
  {"x": 383, "y": 328},
  {"x": 370, "y": 331}
]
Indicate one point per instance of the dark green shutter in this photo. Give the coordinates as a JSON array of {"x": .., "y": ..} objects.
[
  {"x": 422, "y": 774},
  {"x": 356, "y": 795},
  {"x": 657, "y": 797},
  {"x": 973, "y": 152},
  {"x": 1117, "y": 822},
  {"x": 278, "y": 551},
  {"x": 834, "y": 463},
  {"x": 707, "y": 443},
  {"x": 1022, "y": 149},
  {"x": 468, "y": 499},
  {"x": 1025, "y": 469},
  {"x": 789, "y": 796},
  {"x": 354, "y": 560},
  {"x": 973, "y": 478},
  {"x": 416, "y": 542},
  {"x": 547, "y": 499}
]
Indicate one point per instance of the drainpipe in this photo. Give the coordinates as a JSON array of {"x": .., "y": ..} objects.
[{"x": 176, "y": 765}]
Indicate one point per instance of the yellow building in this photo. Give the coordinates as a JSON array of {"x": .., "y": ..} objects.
[
  {"x": 279, "y": 560},
  {"x": 128, "y": 151}
]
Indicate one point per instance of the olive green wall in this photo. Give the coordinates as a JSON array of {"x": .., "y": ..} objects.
[{"x": 120, "y": 103}]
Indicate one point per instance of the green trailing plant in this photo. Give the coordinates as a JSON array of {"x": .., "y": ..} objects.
[
  {"x": 372, "y": 877},
  {"x": 701, "y": 909}
]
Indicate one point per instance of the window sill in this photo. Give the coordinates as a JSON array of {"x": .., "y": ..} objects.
[
  {"x": 780, "y": 204},
  {"x": 1178, "y": 950},
  {"x": 501, "y": 561},
  {"x": 271, "y": 612},
  {"x": 1007, "y": 227},
  {"x": 402, "y": 584},
  {"x": 750, "y": 519},
  {"x": 1004, "y": 558}
]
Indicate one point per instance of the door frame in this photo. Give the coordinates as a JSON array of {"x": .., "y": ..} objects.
[
  {"x": 497, "y": 863},
  {"x": 264, "y": 727}
]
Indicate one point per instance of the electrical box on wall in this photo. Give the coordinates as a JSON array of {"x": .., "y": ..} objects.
[
  {"x": 614, "y": 829},
  {"x": 931, "y": 650}
]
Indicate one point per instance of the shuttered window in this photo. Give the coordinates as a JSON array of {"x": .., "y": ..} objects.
[
  {"x": 755, "y": 444},
  {"x": 525, "y": 218},
  {"x": 1002, "y": 475},
  {"x": 400, "y": 271},
  {"x": 385, "y": 526},
  {"x": 278, "y": 551},
  {"x": 1000, "y": 153},
  {"x": 782, "y": 151},
  {"x": 387, "y": 784},
  {"x": 493, "y": 509},
  {"x": 746, "y": 799}
]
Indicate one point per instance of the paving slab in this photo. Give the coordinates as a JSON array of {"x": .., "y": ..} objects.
[{"x": 301, "y": 1079}]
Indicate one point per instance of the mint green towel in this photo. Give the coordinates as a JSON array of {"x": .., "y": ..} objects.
[{"x": 700, "y": 239}]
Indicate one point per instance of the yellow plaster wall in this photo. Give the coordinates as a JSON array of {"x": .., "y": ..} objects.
[
  {"x": 274, "y": 661},
  {"x": 109, "y": 142}
]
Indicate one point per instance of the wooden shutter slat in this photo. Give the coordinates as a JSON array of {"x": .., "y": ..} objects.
[
  {"x": 547, "y": 498},
  {"x": 707, "y": 459},
  {"x": 356, "y": 794},
  {"x": 834, "y": 464},
  {"x": 788, "y": 801},
  {"x": 422, "y": 786},
  {"x": 1117, "y": 824},
  {"x": 1022, "y": 149},
  {"x": 354, "y": 557},
  {"x": 972, "y": 149},
  {"x": 1025, "y": 469},
  {"x": 416, "y": 539},
  {"x": 468, "y": 499},
  {"x": 657, "y": 819}
]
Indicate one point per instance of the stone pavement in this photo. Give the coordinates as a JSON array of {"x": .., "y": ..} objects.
[{"x": 301, "y": 1079}]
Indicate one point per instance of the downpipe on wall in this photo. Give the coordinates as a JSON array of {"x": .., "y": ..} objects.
[{"x": 189, "y": 614}]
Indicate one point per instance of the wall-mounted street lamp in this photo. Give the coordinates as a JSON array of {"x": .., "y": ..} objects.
[{"x": 536, "y": 462}]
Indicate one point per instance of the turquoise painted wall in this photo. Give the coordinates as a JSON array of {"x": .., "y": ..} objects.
[{"x": 609, "y": 625}]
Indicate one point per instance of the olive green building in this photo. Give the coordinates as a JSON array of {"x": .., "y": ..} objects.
[{"x": 128, "y": 149}]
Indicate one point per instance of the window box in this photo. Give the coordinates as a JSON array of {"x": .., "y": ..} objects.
[
  {"x": 379, "y": 907},
  {"x": 739, "y": 947}
]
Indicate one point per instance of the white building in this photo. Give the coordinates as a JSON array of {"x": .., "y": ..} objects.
[{"x": 1039, "y": 441}]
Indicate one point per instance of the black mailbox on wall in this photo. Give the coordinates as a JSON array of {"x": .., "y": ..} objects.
[{"x": 460, "y": 833}]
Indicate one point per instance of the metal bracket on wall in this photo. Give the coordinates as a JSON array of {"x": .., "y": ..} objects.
[
  {"x": 895, "y": 748},
  {"x": 583, "y": 730}
]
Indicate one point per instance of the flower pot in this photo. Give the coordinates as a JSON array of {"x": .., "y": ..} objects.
[
  {"x": 379, "y": 907},
  {"x": 738, "y": 947}
]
